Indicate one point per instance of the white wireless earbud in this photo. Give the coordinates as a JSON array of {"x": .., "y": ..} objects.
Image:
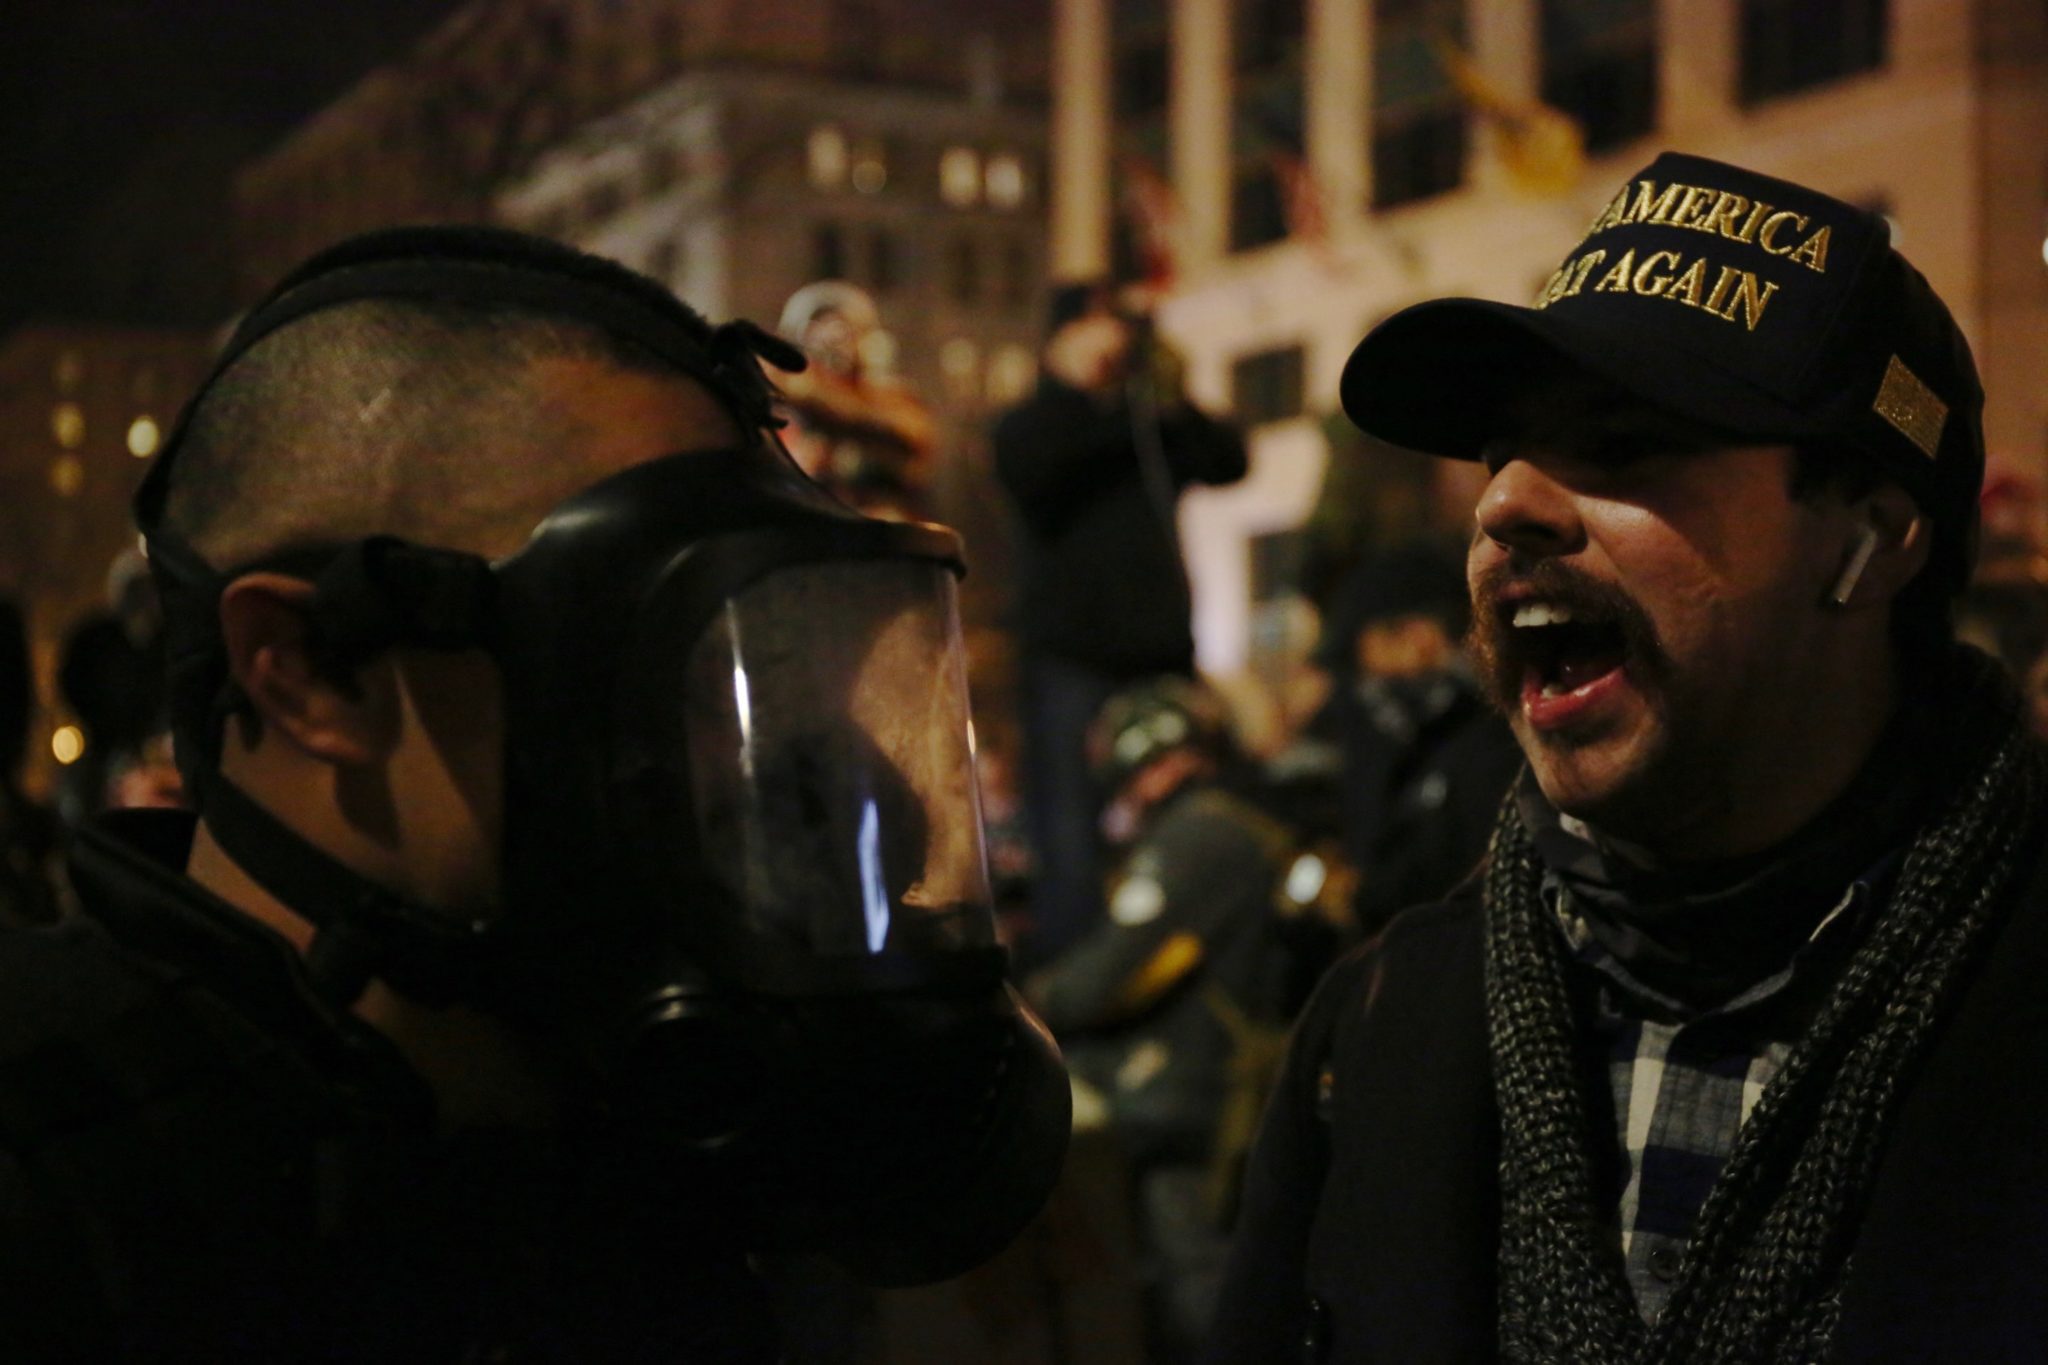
[{"x": 1859, "y": 560}]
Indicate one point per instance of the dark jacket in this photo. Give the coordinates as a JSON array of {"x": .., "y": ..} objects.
[
  {"x": 1102, "y": 579},
  {"x": 1188, "y": 959},
  {"x": 200, "y": 1161},
  {"x": 1421, "y": 789},
  {"x": 1371, "y": 1211}
]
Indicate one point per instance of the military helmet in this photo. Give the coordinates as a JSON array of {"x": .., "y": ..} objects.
[{"x": 1147, "y": 721}]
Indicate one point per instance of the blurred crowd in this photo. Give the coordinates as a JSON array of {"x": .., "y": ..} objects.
[{"x": 1176, "y": 867}]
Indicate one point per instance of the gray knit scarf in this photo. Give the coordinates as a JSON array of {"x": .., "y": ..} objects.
[{"x": 1762, "y": 1278}]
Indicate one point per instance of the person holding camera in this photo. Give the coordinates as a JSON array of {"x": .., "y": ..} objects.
[{"x": 1094, "y": 463}]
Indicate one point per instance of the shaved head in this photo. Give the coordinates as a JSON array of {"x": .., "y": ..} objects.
[{"x": 444, "y": 424}]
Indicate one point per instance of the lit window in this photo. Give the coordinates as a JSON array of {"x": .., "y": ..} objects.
[
  {"x": 1005, "y": 181},
  {"x": 827, "y": 156},
  {"x": 143, "y": 437},
  {"x": 1011, "y": 372},
  {"x": 870, "y": 168},
  {"x": 960, "y": 361},
  {"x": 67, "y": 475},
  {"x": 67, "y": 745},
  {"x": 959, "y": 176},
  {"x": 67, "y": 424}
]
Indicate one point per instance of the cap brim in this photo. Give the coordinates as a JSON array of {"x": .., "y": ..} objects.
[{"x": 1439, "y": 377}]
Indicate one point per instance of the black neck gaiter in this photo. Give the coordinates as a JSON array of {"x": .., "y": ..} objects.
[{"x": 1703, "y": 933}]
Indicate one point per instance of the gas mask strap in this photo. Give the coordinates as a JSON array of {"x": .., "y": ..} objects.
[
  {"x": 383, "y": 591},
  {"x": 370, "y": 595},
  {"x": 200, "y": 695},
  {"x": 361, "y": 930}
]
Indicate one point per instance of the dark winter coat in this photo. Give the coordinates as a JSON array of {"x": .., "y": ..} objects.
[
  {"x": 1144, "y": 1005},
  {"x": 200, "y": 1161},
  {"x": 1369, "y": 1228},
  {"x": 1102, "y": 579},
  {"x": 1420, "y": 794}
]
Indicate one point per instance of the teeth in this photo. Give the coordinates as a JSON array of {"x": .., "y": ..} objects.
[
  {"x": 1542, "y": 614},
  {"x": 1554, "y": 689}
]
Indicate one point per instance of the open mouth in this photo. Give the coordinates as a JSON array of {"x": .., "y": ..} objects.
[
  {"x": 1572, "y": 656},
  {"x": 1558, "y": 648},
  {"x": 1564, "y": 648}
]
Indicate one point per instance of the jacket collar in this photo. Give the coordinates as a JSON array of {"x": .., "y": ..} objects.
[{"x": 128, "y": 869}]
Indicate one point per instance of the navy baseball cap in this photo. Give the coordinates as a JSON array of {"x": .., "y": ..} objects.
[{"x": 1747, "y": 304}]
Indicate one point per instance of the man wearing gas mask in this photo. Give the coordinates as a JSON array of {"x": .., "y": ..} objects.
[{"x": 586, "y": 890}]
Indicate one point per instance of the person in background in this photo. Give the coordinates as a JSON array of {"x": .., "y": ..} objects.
[
  {"x": 1425, "y": 760},
  {"x": 1174, "y": 1009},
  {"x": 854, "y": 427},
  {"x": 111, "y": 676},
  {"x": 28, "y": 831},
  {"x": 1094, "y": 462}
]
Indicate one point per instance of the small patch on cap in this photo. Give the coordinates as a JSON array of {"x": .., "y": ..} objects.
[{"x": 1911, "y": 406}]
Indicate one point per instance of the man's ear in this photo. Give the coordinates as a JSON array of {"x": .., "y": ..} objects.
[
  {"x": 272, "y": 658},
  {"x": 1888, "y": 548}
]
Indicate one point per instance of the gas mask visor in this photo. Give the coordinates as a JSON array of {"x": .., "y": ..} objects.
[{"x": 831, "y": 793}]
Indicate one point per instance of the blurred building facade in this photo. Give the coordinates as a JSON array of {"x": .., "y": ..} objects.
[
  {"x": 82, "y": 407},
  {"x": 738, "y": 187},
  {"x": 434, "y": 136},
  {"x": 1319, "y": 168}
]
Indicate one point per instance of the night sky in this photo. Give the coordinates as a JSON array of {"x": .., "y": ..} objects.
[{"x": 121, "y": 121}]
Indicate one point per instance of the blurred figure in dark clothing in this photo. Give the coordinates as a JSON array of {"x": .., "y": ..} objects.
[
  {"x": 28, "y": 832},
  {"x": 1174, "y": 1008},
  {"x": 1424, "y": 760},
  {"x": 111, "y": 675},
  {"x": 17, "y": 691},
  {"x": 1094, "y": 462}
]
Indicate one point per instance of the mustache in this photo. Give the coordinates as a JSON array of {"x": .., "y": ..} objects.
[{"x": 1499, "y": 657}]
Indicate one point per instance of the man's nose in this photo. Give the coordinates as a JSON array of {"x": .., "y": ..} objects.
[{"x": 1526, "y": 509}]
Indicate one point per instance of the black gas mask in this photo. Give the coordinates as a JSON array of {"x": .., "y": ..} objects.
[{"x": 744, "y": 894}]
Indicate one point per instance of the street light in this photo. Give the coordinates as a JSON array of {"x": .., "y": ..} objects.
[{"x": 67, "y": 745}]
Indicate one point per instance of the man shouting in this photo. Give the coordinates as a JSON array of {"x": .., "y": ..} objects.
[{"x": 1733, "y": 1050}]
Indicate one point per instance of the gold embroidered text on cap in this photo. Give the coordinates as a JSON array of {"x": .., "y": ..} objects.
[{"x": 1911, "y": 406}]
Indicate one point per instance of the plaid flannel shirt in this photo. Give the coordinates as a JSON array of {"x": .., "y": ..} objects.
[{"x": 1684, "y": 1082}]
